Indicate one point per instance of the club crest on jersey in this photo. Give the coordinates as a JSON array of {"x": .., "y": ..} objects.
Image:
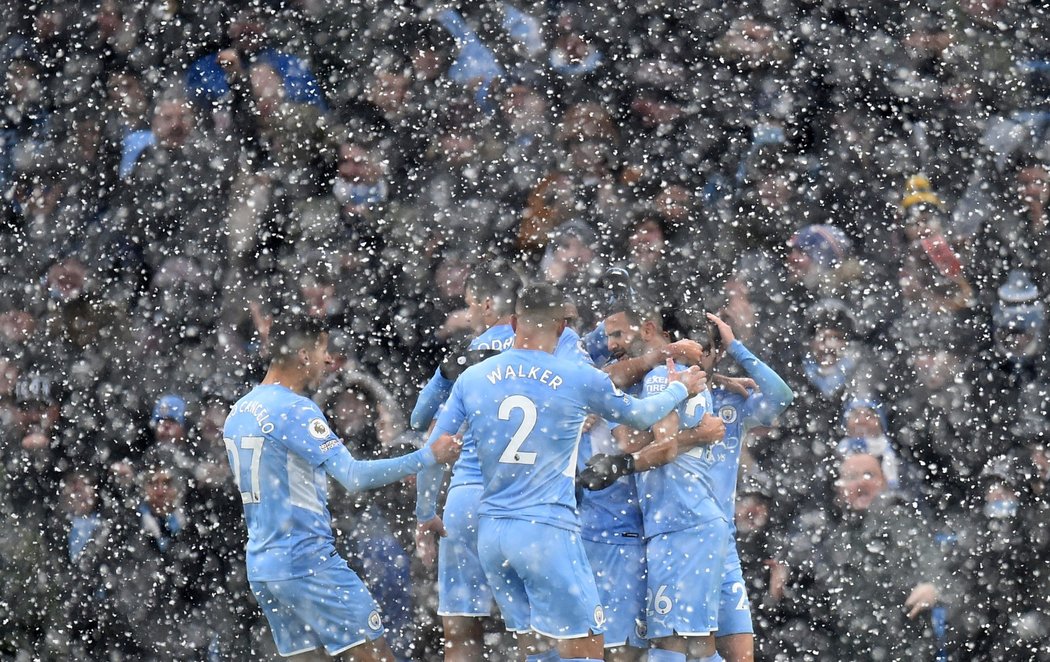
[
  {"x": 319, "y": 429},
  {"x": 727, "y": 414},
  {"x": 599, "y": 616},
  {"x": 641, "y": 628},
  {"x": 374, "y": 621}
]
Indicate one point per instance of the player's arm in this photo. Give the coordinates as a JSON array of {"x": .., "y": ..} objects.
[
  {"x": 429, "y": 401},
  {"x": 429, "y": 479},
  {"x": 774, "y": 395},
  {"x": 438, "y": 388},
  {"x": 628, "y": 372},
  {"x": 602, "y": 397},
  {"x": 357, "y": 475},
  {"x": 630, "y": 440},
  {"x": 667, "y": 442}
]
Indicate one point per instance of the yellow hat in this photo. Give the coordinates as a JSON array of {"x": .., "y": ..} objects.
[{"x": 917, "y": 190}]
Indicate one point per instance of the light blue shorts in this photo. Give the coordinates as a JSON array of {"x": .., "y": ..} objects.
[
  {"x": 462, "y": 587},
  {"x": 331, "y": 608},
  {"x": 540, "y": 577},
  {"x": 619, "y": 572},
  {"x": 685, "y": 580},
  {"x": 734, "y": 609}
]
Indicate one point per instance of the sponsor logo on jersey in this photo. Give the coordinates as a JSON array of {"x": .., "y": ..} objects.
[
  {"x": 374, "y": 621},
  {"x": 319, "y": 429},
  {"x": 728, "y": 414},
  {"x": 329, "y": 445}
]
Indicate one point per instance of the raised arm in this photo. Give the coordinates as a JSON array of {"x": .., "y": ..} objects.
[
  {"x": 774, "y": 394},
  {"x": 628, "y": 372}
]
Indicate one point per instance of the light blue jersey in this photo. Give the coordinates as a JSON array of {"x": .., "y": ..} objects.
[
  {"x": 740, "y": 414},
  {"x": 467, "y": 470},
  {"x": 276, "y": 442},
  {"x": 680, "y": 494},
  {"x": 611, "y": 515},
  {"x": 526, "y": 409}
]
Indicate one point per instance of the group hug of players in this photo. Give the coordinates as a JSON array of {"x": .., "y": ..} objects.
[{"x": 592, "y": 499}]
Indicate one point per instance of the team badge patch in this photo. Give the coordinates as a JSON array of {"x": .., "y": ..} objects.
[
  {"x": 641, "y": 628},
  {"x": 727, "y": 414},
  {"x": 319, "y": 429},
  {"x": 599, "y": 616},
  {"x": 374, "y": 621}
]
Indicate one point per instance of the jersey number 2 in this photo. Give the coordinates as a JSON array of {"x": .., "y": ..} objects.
[
  {"x": 237, "y": 453},
  {"x": 513, "y": 454}
]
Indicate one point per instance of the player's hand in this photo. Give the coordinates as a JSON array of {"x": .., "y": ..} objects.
[
  {"x": 427, "y": 534},
  {"x": 686, "y": 352},
  {"x": 694, "y": 379},
  {"x": 724, "y": 329},
  {"x": 711, "y": 429},
  {"x": 922, "y": 597},
  {"x": 739, "y": 385},
  {"x": 456, "y": 362},
  {"x": 447, "y": 447},
  {"x": 604, "y": 470}
]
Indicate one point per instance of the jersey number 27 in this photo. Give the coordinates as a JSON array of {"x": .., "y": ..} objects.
[{"x": 246, "y": 455}]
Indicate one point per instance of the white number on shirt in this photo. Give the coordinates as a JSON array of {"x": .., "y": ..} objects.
[
  {"x": 512, "y": 454},
  {"x": 738, "y": 587},
  {"x": 692, "y": 403},
  {"x": 254, "y": 446}
]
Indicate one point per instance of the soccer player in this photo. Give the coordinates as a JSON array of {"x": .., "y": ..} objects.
[
  {"x": 685, "y": 533},
  {"x": 634, "y": 328},
  {"x": 464, "y": 596},
  {"x": 281, "y": 448},
  {"x": 526, "y": 410},
  {"x": 739, "y": 413}
]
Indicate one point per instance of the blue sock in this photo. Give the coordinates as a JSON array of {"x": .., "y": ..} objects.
[
  {"x": 660, "y": 655},
  {"x": 713, "y": 658},
  {"x": 546, "y": 656}
]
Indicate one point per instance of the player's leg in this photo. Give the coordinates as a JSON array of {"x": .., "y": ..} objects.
[
  {"x": 619, "y": 574},
  {"x": 463, "y": 638},
  {"x": 464, "y": 596},
  {"x": 370, "y": 651},
  {"x": 737, "y": 647},
  {"x": 735, "y": 637}
]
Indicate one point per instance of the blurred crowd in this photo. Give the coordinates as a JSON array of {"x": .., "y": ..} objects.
[{"x": 861, "y": 189}]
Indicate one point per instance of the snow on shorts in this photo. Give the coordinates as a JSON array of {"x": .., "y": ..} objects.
[
  {"x": 540, "y": 577},
  {"x": 685, "y": 579},
  {"x": 331, "y": 608},
  {"x": 462, "y": 587},
  {"x": 734, "y": 609},
  {"x": 619, "y": 572}
]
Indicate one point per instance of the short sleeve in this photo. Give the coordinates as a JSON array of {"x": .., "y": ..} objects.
[{"x": 305, "y": 432}]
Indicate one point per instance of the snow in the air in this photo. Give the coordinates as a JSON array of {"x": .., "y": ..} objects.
[{"x": 860, "y": 189}]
